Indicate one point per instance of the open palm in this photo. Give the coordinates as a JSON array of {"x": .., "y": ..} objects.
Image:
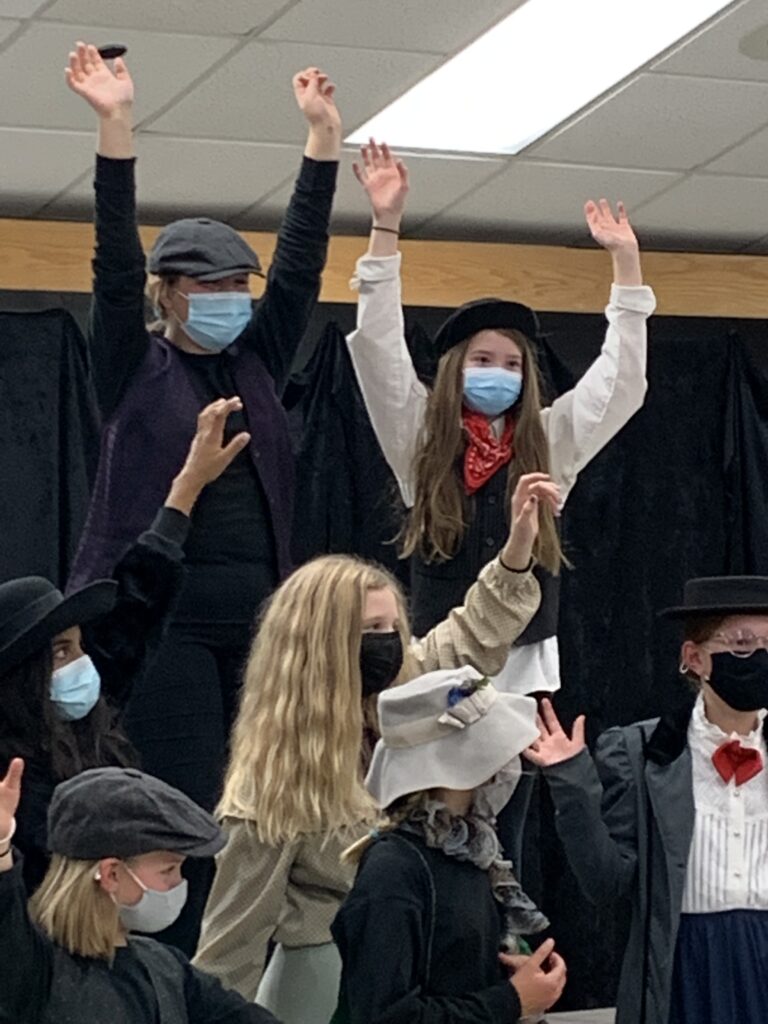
[
  {"x": 554, "y": 744},
  {"x": 383, "y": 177},
  {"x": 106, "y": 90},
  {"x": 612, "y": 231},
  {"x": 10, "y": 793}
]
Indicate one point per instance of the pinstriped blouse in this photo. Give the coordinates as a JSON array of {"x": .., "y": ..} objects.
[{"x": 728, "y": 859}]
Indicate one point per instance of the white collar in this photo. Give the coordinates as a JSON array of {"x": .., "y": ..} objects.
[{"x": 703, "y": 733}]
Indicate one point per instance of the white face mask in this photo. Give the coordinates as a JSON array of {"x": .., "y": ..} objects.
[{"x": 155, "y": 910}]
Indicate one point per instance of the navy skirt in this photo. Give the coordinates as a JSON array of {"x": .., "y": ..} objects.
[{"x": 721, "y": 969}]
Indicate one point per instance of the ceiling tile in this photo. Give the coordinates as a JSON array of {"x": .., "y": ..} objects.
[
  {"x": 662, "y": 121},
  {"x": 436, "y": 26},
  {"x": 19, "y": 8},
  {"x": 707, "y": 212},
  {"x": 46, "y": 101},
  {"x": 434, "y": 183},
  {"x": 35, "y": 166},
  {"x": 7, "y": 27},
  {"x": 250, "y": 97},
  {"x": 204, "y": 17},
  {"x": 750, "y": 158},
  {"x": 540, "y": 201},
  {"x": 714, "y": 53},
  {"x": 236, "y": 174}
]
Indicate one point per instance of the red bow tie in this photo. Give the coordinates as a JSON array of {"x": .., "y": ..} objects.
[{"x": 734, "y": 761}]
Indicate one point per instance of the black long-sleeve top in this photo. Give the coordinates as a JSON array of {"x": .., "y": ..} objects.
[{"x": 146, "y": 983}]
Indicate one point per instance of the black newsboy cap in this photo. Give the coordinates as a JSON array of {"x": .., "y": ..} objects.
[
  {"x": 481, "y": 315},
  {"x": 722, "y": 595},
  {"x": 121, "y": 812},
  {"x": 202, "y": 248}
]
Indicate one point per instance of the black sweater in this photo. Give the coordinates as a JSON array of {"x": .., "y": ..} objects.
[{"x": 386, "y": 926}]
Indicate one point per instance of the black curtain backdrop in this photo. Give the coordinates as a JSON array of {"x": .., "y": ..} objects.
[{"x": 682, "y": 491}]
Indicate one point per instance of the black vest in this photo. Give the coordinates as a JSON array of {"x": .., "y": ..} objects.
[{"x": 437, "y": 587}]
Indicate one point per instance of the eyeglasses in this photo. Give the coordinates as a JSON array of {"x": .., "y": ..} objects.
[{"x": 741, "y": 644}]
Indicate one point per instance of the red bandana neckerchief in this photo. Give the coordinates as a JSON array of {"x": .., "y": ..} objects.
[
  {"x": 734, "y": 761},
  {"x": 485, "y": 453}
]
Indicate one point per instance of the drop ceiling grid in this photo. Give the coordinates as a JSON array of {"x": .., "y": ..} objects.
[{"x": 203, "y": 69}]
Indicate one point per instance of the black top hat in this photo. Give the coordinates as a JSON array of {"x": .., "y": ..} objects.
[
  {"x": 722, "y": 595},
  {"x": 484, "y": 315},
  {"x": 33, "y": 611}
]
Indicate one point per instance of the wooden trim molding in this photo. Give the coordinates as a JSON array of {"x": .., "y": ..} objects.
[{"x": 55, "y": 256}]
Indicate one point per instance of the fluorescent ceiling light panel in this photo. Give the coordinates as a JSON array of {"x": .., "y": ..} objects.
[{"x": 536, "y": 68}]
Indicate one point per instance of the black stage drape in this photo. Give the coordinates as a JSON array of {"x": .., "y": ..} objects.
[
  {"x": 48, "y": 443},
  {"x": 682, "y": 491}
]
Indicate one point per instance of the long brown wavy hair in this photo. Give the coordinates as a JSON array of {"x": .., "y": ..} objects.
[{"x": 439, "y": 517}]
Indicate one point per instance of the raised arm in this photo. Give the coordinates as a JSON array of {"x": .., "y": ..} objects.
[
  {"x": 26, "y": 957},
  {"x": 502, "y": 601},
  {"x": 281, "y": 317},
  {"x": 394, "y": 396},
  {"x": 595, "y": 814},
  {"x": 118, "y": 335},
  {"x": 150, "y": 574},
  {"x": 582, "y": 421}
]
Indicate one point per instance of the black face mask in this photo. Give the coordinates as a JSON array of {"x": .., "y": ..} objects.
[
  {"x": 741, "y": 682},
  {"x": 381, "y": 658}
]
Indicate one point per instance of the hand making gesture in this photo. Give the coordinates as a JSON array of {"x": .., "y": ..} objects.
[
  {"x": 554, "y": 744},
  {"x": 385, "y": 180},
  {"x": 614, "y": 233},
  {"x": 531, "y": 490},
  {"x": 108, "y": 90},
  {"x": 315, "y": 96},
  {"x": 10, "y": 794}
]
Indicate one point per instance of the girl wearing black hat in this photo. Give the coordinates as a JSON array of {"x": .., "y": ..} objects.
[
  {"x": 210, "y": 342},
  {"x": 67, "y": 665},
  {"x": 457, "y": 449},
  {"x": 673, "y": 815},
  {"x": 118, "y": 839}
]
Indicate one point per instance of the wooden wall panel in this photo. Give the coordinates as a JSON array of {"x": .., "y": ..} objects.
[{"x": 55, "y": 256}]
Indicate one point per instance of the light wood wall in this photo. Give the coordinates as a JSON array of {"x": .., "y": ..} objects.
[{"x": 55, "y": 256}]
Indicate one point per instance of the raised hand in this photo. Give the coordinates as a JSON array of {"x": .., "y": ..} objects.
[
  {"x": 208, "y": 456},
  {"x": 539, "y": 978},
  {"x": 385, "y": 180},
  {"x": 10, "y": 794},
  {"x": 554, "y": 744},
  {"x": 611, "y": 231},
  {"x": 108, "y": 90},
  {"x": 532, "y": 488},
  {"x": 315, "y": 97}
]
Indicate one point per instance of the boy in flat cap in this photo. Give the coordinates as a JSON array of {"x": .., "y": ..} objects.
[{"x": 118, "y": 839}]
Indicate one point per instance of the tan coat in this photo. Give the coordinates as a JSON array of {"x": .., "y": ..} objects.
[{"x": 291, "y": 893}]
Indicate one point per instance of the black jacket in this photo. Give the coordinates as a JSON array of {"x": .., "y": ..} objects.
[
  {"x": 40, "y": 983},
  {"x": 419, "y": 937}
]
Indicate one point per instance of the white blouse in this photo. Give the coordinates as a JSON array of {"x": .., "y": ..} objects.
[
  {"x": 578, "y": 424},
  {"x": 728, "y": 859}
]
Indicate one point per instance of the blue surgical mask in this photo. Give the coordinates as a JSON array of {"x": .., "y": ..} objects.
[
  {"x": 216, "y": 319},
  {"x": 75, "y": 688},
  {"x": 156, "y": 910},
  {"x": 491, "y": 390}
]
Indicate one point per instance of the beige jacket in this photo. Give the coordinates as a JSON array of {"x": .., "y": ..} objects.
[{"x": 291, "y": 893}]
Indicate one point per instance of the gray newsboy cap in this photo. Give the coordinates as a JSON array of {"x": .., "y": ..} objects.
[
  {"x": 202, "y": 248},
  {"x": 121, "y": 812}
]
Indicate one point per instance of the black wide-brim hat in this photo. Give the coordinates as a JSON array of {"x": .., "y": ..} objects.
[
  {"x": 33, "y": 612},
  {"x": 485, "y": 315},
  {"x": 722, "y": 595}
]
